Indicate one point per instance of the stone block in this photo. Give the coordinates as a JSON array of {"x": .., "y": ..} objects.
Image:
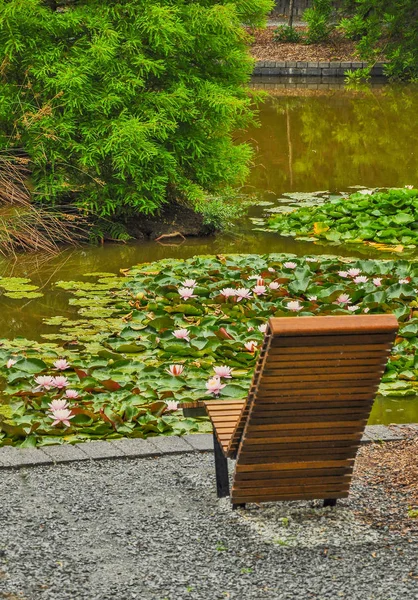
[
  {"x": 101, "y": 449},
  {"x": 324, "y": 65},
  {"x": 357, "y": 65},
  {"x": 313, "y": 65},
  {"x": 258, "y": 71},
  {"x": 172, "y": 444},
  {"x": 136, "y": 447},
  {"x": 203, "y": 442},
  {"x": 346, "y": 65},
  {"x": 377, "y": 433},
  {"x": 301, "y": 64},
  {"x": 329, "y": 72},
  {"x": 23, "y": 457},
  {"x": 260, "y": 63},
  {"x": 291, "y": 64},
  {"x": 270, "y": 63},
  {"x": 313, "y": 71},
  {"x": 281, "y": 64},
  {"x": 335, "y": 65},
  {"x": 66, "y": 453}
]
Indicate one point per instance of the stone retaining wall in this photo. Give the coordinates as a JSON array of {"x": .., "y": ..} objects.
[{"x": 313, "y": 69}]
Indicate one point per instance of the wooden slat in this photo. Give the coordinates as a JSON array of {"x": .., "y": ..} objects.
[
  {"x": 330, "y": 363},
  {"x": 324, "y": 464},
  {"x": 239, "y": 498},
  {"x": 341, "y": 324},
  {"x": 292, "y": 474},
  {"x": 290, "y": 428},
  {"x": 296, "y": 358},
  {"x": 352, "y": 349},
  {"x": 336, "y": 375},
  {"x": 296, "y": 372},
  {"x": 307, "y": 394},
  {"x": 331, "y": 340}
]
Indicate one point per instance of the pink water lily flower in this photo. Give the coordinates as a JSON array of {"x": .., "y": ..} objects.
[
  {"x": 255, "y": 277},
  {"x": 271, "y": 270},
  {"x": 343, "y": 299},
  {"x": 44, "y": 381},
  {"x": 262, "y": 327},
  {"x": 311, "y": 259},
  {"x": 58, "y": 405},
  {"x": 251, "y": 346},
  {"x": 186, "y": 293},
  {"x": 175, "y": 370},
  {"x": 228, "y": 292},
  {"x": 404, "y": 281},
  {"x": 409, "y": 187},
  {"x": 60, "y": 382},
  {"x": 343, "y": 273},
  {"x": 294, "y": 305},
  {"x": 274, "y": 285},
  {"x": 377, "y": 281},
  {"x": 243, "y": 294},
  {"x": 11, "y": 362},
  {"x": 62, "y": 416},
  {"x": 312, "y": 298},
  {"x": 366, "y": 310},
  {"x": 182, "y": 334},
  {"x": 61, "y": 364},
  {"x": 71, "y": 394},
  {"x": 215, "y": 386},
  {"x": 225, "y": 372},
  {"x": 172, "y": 405},
  {"x": 290, "y": 265},
  {"x": 353, "y": 272},
  {"x": 189, "y": 283},
  {"x": 259, "y": 290},
  {"x": 250, "y": 328},
  {"x": 361, "y": 279}
]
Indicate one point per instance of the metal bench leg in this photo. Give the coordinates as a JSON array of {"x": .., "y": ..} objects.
[
  {"x": 330, "y": 502},
  {"x": 221, "y": 470}
]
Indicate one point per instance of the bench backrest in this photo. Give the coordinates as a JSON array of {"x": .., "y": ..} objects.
[{"x": 310, "y": 399}]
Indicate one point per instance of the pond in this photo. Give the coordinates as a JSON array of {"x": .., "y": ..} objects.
[{"x": 312, "y": 137}]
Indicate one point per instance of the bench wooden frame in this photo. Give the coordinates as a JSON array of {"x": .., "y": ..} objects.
[{"x": 297, "y": 433}]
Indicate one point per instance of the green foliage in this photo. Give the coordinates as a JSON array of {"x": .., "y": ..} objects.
[
  {"x": 318, "y": 19},
  {"x": 385, "y": 217},
  {"x": 388, "y": 26},
  {"x": 119, "y": 359},
  {"x": 284, "y": 33},
  {"x": 357, "y": 75},
  {"x": 123, "y": 106},
  {"x": 220, "y": 212}
]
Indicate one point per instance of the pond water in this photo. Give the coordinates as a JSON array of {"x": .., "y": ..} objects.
[{"x": 313, "y": 136}]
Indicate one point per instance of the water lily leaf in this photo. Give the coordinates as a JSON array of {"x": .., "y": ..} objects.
[
  {"x": 31, "y": 365},
  {"x": 185, "y": 309},
  {"x": 320, "y": 228}
]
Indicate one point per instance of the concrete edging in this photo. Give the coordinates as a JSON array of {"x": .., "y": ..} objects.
[
  {"x": 15, "y": 458},
  {"x": 313, "y": 69}
]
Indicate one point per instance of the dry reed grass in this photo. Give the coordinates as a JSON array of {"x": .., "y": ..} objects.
[{"x": 27, "y": 227}]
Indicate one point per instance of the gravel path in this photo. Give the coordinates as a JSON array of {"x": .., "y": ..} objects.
[{"x": 152, "y": 529}]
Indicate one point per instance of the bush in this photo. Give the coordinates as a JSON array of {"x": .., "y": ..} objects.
[
  {"x": 284, "y": 33},
  {"x": 318, "y": 18},
  {"x": 123, "y": 106},
  {"x": 389, "y": 26}
]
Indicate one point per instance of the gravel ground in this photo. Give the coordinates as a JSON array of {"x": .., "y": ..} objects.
[{"x": 152, "y": 529}]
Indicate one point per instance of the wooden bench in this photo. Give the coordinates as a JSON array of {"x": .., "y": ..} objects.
[{"x": 297, "y": 433}]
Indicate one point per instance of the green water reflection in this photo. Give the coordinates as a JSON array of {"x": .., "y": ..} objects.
[
  {"x": 314, "y": 139},
  {"x": 330, "y": 139}
]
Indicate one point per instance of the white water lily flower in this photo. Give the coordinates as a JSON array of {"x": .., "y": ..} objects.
[
  {"x": 189, "y": 283},
  {"x": 294, "y": 305}
]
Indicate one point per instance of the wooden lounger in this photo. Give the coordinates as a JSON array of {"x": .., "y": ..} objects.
[{"x": 297, "y": 433}]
